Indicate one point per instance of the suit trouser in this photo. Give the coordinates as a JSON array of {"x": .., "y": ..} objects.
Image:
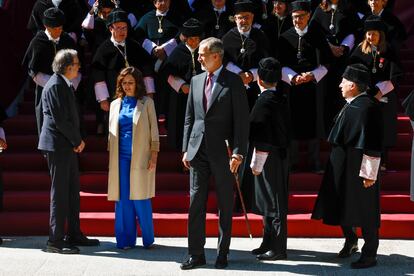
[
  {"x": 371, "y": 239},
  {"x": 38, "y": 108},
  {"x": 202, "y": 167},
  {"x": 64, "y": 194},
  {"x": 278, "y": 243}
]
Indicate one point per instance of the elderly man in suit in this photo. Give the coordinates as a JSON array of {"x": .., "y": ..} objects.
[
  {"x": 60, "y": 140},
  {"x": 217, "y": 110}
]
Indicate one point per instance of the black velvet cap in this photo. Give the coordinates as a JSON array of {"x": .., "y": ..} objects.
[
  {"x": 357, "y": 73},
  {"x": 53, "y": 17},
  {"x": 117, "y": 15},
  {"x": 244, "y": 6},
  {"x": 374, "y": 23},
  {"x": 269, "y": 70},
  {"x": 106, "y": 4},
  {"x": 301, "y": 5},
  {"x": 192, "y": 27}
]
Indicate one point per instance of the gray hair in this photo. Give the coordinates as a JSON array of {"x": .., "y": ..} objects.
[
  {"x": 214, "y": 45},
  {"x": 63, "y": 59}
]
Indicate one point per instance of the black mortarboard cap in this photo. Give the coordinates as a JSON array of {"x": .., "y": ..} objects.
[{"x": 357, "y": 73}]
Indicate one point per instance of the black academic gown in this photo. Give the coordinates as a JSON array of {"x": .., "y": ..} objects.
[
  {"x": 211, "y": 19},
  {"x": 74, "y": 15},
  {"x": 256, "y": 47},
  {"x": 179, "y": 64},
  {"x": 386, "y": 68},
  {"x": 344, "y": 23},
  {"x": 274, "y": 27},
  {"x": 38, "y": 59},
  {"x": 306, "y": 107},
  {"x": 268, "y": 192},
  {"x": 108, "y": 62},
  {"x": 342, "y": 199},
  {"x": 98, "y": 34}
]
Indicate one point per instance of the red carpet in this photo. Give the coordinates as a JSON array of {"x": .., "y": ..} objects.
[{"x": 26, "y": 184}]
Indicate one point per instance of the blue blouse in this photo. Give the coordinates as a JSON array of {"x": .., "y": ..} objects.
[{"x": 126, "y": 113}]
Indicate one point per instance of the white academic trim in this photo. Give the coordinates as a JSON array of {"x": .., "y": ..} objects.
[
  {"x": 132, "y": 19},
  {"x": 233, "y": 68},
  {"x": 149, "y": 85},
  {"x": 148, "y": 45},
  {"x": 349, "y": 41},
  {"x": 369, "y": 167},
  {"x": 385, "y": 87},
  {"x": 101, "y": 91},
  {"x": 2, "y": 134},
  {"x": 89, "y": 22},
  {"x": 319, "y": 72},
  {"x": 41, "y": 79},
  {"x": 175, "y": 82},
  {"x": 288, "y": 74},
  {"x": 258, "y": 160},
  {"x": 254, "y": 73},
  {"x": 169, "y": 46}
]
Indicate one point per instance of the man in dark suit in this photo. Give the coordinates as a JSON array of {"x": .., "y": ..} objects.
[
  {"x": 60, "y": 140},
  {"x": 217, "y": 110}
]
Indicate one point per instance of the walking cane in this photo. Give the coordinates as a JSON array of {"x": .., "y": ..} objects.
[{"x": 236, "y": 177}]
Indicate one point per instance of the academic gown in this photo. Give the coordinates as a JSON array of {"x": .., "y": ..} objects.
[
  {"x": 256, "y": 47},
  {"x": 74, "y": 15},
  {"x": 387, "y": 68},
  {"x": 39, "y": 58},
  {"x": 342, "y": 199},
  {"x": 211, "y": 19},
  {"x": 179, "y": 64},
  {"x": 306, "y": 106},
  {"x": 108, "y": 62},
  {"x": 345, "y": 23},
  {"x": 98, "y": 34},
  {"x": 274, "y": 27},
  {"x": 268, "y": 192}
]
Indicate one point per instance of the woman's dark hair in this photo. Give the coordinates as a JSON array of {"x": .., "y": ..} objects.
[{"x": 139, "y": 83}]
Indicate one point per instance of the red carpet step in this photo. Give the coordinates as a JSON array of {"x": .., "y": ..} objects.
[{"x": 399, "y": 226}]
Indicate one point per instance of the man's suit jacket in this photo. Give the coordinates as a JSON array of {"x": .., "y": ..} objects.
[
  {"x": 60, "y": 128},
  {"x": 227, "y": 117}
]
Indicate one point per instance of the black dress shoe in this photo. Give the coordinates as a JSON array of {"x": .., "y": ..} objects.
[
  {"x": 1, "y": 240},
  {"x": 348, "y": 250},
  {"x": 81, "y": 241},
  {"x": 364, "y": 262},
  {"x": 221, "y": 262},
  {"x": 61, "y": 248},
  {"x": 193, "y": 262},
  {"x": 271, "y": 256},
  {"x": 260, "y": 250}
]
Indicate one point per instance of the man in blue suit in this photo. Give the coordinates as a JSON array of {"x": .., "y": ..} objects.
[{"x": 60, "y": 141}]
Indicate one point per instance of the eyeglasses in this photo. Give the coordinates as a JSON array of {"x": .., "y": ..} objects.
[
  {"x": 128, "y": 82},
  {"x": 299, "y": 16},
  {"x": 242, "y": 17}
]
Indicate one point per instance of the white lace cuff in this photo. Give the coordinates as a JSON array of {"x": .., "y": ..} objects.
[
  {"x": 369, "y": 167},
  {"x": 149, "y": 85},
  {"x": 169, "y": 46},
  {"x": 233, "y": 68},
  {"x": 385, "y": 87},
  {"x": 101, "y": 91},
  {"x": 41, "y": 79},
  {"x": 89, "y": 22},
  {"x": 175, "y": 82},
  {"x": 349, "y": 41},
  {"x": 258, "y": 160},
  {"x": 288, "y": 74},
  {"x": 319, "y": 72},
  {"x": 148, "y": 45}
]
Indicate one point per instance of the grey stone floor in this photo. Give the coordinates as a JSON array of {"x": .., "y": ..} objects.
[{"x": 24, "y": 256}]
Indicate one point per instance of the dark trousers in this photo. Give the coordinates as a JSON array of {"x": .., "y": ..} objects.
[
  {"x": 278, "y": 243},
  {"x": 202, "y": 168},
  {"x": 38, "y": 108},
  {"x": 371, "y": 239},
  {"x": 64, "y": 194}
]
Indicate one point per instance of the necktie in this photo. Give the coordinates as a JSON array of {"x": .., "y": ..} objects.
[{"x": 208, "y": 90}]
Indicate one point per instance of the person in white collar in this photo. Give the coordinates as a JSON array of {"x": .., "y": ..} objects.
[
  {"x": 244, "y": 47},
  {"x": 115, "y": 53},
  {"x": 180, "y": 68},
  {"x": 269, "y": 165},
  {"x": 303, "y": 54},
  {"x": 350, "y": 189},
  {"x": 41, "y": 52}
]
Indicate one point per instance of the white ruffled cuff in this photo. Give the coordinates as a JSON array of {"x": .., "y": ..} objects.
[
  {"x": 349, "y": 41},
  {"x": 369, "y": 167},
  {"x": 288, "y": 74},
  {"x": 101, "y": 91},
  {"x": 41, "y": 79},
  {"x": 385, "y": 87},
  {"x": 89, "y": 22},
  {"x": 233, "y": 68},
  {"x": 149, "y": 85},
  {"x": 258, "y": 160},
  {"x": 319, "y": 72},
  {"x": 175, "y": 82},
  {"x": 148, "y": 45},
  {"x": 169, "y": 46}
]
